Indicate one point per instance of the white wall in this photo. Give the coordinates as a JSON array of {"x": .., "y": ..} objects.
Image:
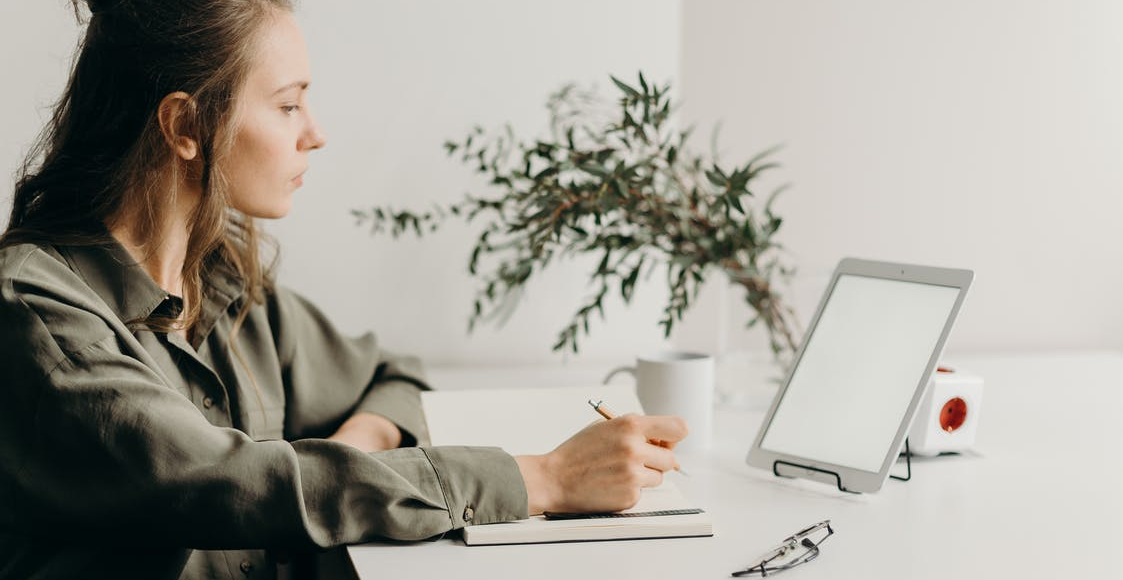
[
  {"x": 985, "y": 134},
  {"x": 977, "y": 134}
]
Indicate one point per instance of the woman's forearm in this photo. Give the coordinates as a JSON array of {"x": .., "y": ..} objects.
[{"x": 368, "y": 432}]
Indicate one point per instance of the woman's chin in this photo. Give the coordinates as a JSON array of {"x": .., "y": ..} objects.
[
  {"x": 275, "y": 213},
  {"x": 271, "y": 211}
]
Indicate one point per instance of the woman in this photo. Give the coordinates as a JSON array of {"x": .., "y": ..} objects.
[{"x": 169, "y": 412}]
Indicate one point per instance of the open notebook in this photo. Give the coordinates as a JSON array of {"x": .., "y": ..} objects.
[{"x": 531, "y": 421}]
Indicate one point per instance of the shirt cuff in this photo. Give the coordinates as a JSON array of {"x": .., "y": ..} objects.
[
  {"x": 400, "y": 402},
  {"x": 481, "y": 485}
]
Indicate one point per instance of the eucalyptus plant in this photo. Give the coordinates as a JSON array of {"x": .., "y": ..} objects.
[{"x": 619, "y": 183}]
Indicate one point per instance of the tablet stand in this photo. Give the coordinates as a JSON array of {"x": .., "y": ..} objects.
[
  {"x": 908, "y": 464},
  {"x": 837, "y": 477}
]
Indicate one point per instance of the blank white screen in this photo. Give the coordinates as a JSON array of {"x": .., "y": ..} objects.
[{"x": 859, "y": 371}]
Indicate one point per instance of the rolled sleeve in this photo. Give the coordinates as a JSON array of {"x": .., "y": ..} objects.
[{"x": 499, "y": 496}]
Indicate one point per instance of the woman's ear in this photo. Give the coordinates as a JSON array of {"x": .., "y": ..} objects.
[{"x": 175, "y": 115}]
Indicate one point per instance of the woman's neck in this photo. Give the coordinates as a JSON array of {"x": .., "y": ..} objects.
[
  {"x": 164, "y": 261},
  {"x": 163, "y": 255}
]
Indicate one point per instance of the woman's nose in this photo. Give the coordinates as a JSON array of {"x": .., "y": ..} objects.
[{"x": 313, "y": 137}]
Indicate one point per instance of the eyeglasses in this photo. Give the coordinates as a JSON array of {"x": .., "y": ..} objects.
[{"x": 801, "y": 547}]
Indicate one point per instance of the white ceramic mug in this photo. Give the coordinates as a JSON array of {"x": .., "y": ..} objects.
[{"x": 677, "y": 383}]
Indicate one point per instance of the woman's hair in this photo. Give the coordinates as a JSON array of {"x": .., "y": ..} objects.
[{"x": 103, "y": 160}]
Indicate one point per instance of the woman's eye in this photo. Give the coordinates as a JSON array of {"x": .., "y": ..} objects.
[{"x": 290, "y": 109}]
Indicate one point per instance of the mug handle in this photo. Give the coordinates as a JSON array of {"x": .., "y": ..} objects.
[{"x": 616, "y": 371}]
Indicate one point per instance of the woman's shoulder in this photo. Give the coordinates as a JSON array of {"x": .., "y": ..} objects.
[
  {"x": 45, "y": 302},
  {"x": 30, "y": 261}
]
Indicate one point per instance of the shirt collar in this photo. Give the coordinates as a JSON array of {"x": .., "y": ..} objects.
[{"x": 115, "y": 276}]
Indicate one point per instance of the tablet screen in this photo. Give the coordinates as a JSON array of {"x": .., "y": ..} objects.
[{"x": 859, "y": 371}]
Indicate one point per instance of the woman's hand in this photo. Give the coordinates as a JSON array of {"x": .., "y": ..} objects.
[
  {"x": 368, "y": 432},
  {"x": 604, "y": 466}
]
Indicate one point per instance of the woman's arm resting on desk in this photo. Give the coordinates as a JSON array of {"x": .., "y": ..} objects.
[{"x": 602, "y": 467}]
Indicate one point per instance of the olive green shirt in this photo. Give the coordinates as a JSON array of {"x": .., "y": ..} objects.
[{"x": 137, "y": 454}]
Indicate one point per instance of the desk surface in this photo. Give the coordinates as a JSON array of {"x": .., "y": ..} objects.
[{"x": 1040, "y": 498}]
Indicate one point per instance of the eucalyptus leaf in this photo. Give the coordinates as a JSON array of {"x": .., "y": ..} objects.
[{"x": 624, "y": 87}]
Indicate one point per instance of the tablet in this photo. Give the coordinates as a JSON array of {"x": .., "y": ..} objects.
[{"x": 847, "y": 403}]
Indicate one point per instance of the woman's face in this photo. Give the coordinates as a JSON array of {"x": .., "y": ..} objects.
[{"x": 275, "y": 129}]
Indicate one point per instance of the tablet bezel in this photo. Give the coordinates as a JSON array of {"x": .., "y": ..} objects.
[{"x": 849, "y": 478}]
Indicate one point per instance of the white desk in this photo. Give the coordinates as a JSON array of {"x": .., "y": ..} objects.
[{"x": 1042, "y": 498}]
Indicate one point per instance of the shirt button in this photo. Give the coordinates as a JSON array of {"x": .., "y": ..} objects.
[
  {"x": 208, "y": 402},
  {"x": 246, "y": 567},
  {"x": 469, "y": 513}
]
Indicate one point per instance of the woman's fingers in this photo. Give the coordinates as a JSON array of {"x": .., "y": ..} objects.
[
  {"x": 659, "y": 458},
  {"x": 605, "y": 465},
  {"x": 667, "y": 429},
  {"x": 651, "y": 477}
]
